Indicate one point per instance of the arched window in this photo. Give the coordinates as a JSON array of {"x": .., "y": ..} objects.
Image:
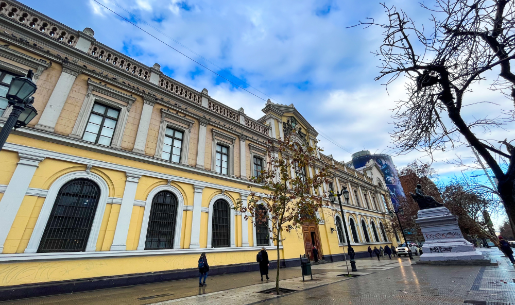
[
  {"x": 375, "y": 231},
  {"x": 365, "y": 231},
  {"x": 383, "y": 232},
  {"x": 161, "y": 224},
  {"x": 221, "y": 224},
  {"x": 353, "y": 229},
  {"x": 72, "y": 215},
  {"x": 262, "y": 231},
  {"x": 339, "y": 230}
]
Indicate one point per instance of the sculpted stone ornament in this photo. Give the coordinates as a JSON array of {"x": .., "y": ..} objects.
[
  {"x": 424, "y": 201},
  {"x": 444, "y": 242}
]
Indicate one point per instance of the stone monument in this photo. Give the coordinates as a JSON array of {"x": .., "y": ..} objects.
[{"x": 444, "y": 242}]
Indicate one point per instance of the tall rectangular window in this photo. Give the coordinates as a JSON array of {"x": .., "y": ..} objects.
[
  {"x": 357, "y": 197},
  {"x": 222, "y": 159},
  {"x": 258, "y": 166},
  {"x": 101, "y": 124},
  {"x": 172, "y": 145},
  {"x": 5, "y": 81}
]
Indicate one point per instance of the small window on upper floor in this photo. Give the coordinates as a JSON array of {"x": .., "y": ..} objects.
[
  {"x": 258, "y": 166},
  {"x": 331, "y": 188},
  {"x": 101, "y": 124},
  {"x": 222, "y": 159},
  {"x": 172, "y": 146}
]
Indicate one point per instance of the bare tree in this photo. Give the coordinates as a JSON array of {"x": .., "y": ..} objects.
[
  {"x": 466, "y": 39},
  {"x": 288, "y": 196}
]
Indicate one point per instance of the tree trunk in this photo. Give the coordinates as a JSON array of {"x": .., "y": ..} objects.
[
  {"x": 506, "y": 189},
  {"x": 278, "y": 257}
]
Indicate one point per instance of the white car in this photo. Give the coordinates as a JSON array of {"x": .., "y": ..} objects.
[{"x": 402, "y": 249}]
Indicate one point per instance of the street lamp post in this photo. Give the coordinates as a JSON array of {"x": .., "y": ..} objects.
[
  {"x": 351, "y": 252},
  {"x": 20, "y": 98},
  {"x": 400, "y": 225}
]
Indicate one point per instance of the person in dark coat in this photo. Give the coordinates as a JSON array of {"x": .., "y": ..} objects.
[
  {"x": 377, "y": 253},
  {"x": 388, "y": 251},
  {"x": 370, "y": 251},
  {"x": 315, "y": 253},
  {"x": 506, "y": 249},
  {"x": 264, "y": 263},
  {"x": 394, "y": 251},
  {"x": 203, "y": 269}
]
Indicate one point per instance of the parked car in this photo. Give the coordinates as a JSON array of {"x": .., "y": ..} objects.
[
  {"x": 402, "y": 249},
  {"x": 512, "y": 243}
]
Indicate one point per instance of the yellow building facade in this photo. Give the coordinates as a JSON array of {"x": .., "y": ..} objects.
[{"x": 126, "y": 171}]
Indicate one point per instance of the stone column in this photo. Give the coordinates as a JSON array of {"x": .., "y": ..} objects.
[
  {"x": 56, "y": 102},
  {"x": 244, "y": 224},
  {"x": 201, "y": 151},
  {"x": 124, "y": 218},
  {"x": 197, "y": 214},
  {"x": 243, "y": 157},
  {"x": 144, "y": 123},
  {"x": 15, "y": 193}
]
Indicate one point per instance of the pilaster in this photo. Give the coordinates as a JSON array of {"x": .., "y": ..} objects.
[
  {"x": 144, "y": 124},
  {"x": 201, "y": 151},
  {"x": 244, "y": 224},
  {"x": 197, "y": 214},
  {"x": 124, "y": 218},
  {"x": 243, "y": 157}
]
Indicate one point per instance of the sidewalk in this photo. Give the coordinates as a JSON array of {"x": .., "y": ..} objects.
[{"x": 394, "y": 281}]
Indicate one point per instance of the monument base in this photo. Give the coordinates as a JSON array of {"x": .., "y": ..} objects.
[{"x": 444, "y": 242}]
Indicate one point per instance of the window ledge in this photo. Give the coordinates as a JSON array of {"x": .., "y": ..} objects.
[{"x": 22, "y": 257}]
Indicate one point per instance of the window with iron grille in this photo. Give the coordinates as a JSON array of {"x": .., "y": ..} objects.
[
  {"x": 331, "y": 187},
  {"x": 262, "y": 230},
  {"x": 72, "y": 215},
  {"x": 101, "y": 124},
  {"x": 300, "y": 171},
  {"x": 339, "y": 230},
  {"x": 221, "y": 224},
  {"x": 357, "y": 198},
  {"x": 353, "y": 229},
  {"x": 365, "y": 231},
  {"x": 172, "y": 145},
  {"x": 374, "y": 201},
  {"x": 375, "y": 232},
  {"x": 383, "y": 232},
  {"x": 222, "y": 159},
  {"x": 258, "y": 166},
  {"x": 161, "y": 224},
  {"x": 5, "y": 81}
]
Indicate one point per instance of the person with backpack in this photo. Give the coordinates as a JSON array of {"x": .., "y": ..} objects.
[
  {"x": 506, "y": 249},
  {"x": 203, "y": 269},
  {"x": 264, "y": 263}
]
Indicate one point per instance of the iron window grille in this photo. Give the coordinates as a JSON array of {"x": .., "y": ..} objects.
[
  {"x": 172, "y": 145},
  {"x": 101, "y": 125},
  {"x": 353, "y": 229},
  {"x": 5, "y": 81},
  {"x": 221, "y": 224},
  {"x": 222, "y": 159},
  {"x": 365, "y": 231},
  {"x": 72, "y": 215},
  {"x": 375, "y": 232},
  {"x": 339, "y": 229},
  {"x": 382, "y": 231},
  {"x": 258, "y": 166},
  {"x": 374, "y": 202},
  {"x": 161, "y": 224},
  {"x": 262, "y": 230}
]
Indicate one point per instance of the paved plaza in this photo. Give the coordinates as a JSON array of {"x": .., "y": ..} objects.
[{"x": 395, "y": 281}]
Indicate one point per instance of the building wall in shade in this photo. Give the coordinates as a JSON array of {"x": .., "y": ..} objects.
[{"x": 391, "y": 176}]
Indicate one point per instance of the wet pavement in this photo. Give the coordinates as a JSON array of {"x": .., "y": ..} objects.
[{"x": 395, "y": 281}]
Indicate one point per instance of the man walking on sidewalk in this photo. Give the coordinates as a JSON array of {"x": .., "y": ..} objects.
[
  {"x": 377, "y": 253},
  {"x": 315, "y": 253},
  {"x": 388, "y": 251},
  {"x": 370, "y": 251},
  {"x": 203, "y": 269},
  {"x": 506, "y": 249},
  {"x": 264, "y": 263}
]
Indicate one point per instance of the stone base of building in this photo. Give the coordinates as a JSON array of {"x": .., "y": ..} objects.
[{"x": 444, "y": 242}]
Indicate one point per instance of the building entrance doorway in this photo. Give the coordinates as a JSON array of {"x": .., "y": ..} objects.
[{"x": 312, "y": 238}]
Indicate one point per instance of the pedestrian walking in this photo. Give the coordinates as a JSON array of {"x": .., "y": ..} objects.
[
  {"x": 315, "y": 253},
  {"x": 506, "y": 249},
  {"x": 381, "y": 250},
  {"x": 394, "y": 251},
  {"x": 377, "y": 253},
  {"x": 264, "y": 263},
  {"x": 203, "y": 269},
  {"x": 370, "y": 251},
  {"x": 388, "y": 251}
]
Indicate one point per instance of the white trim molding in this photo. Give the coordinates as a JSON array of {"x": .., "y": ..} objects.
[
  {"x": 44, "y": 215},
  {"x": 232, "y": 227},
  {"x": 224, "y": 139},
  {"x": 175, "y": 121},
  {"x": 178, "y": 219}
]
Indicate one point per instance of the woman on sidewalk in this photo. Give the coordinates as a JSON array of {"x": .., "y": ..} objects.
[
  {"x": 370, "y": 251},
  {"x": 381, "y": 250},
  {"x": 394, "y": 251},
  {"x": 203, "y": 269},
  {"x": 264, "y": 263},
  {"x": 377, "y": 253},
  {"x": 388, "y": 251}
]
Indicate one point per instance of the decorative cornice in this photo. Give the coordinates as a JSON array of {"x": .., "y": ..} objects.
[
  {"x": 22, "y": 58},
  {"x": 175, "y": 117},
  {"x": 243, "y": 138},
  {"x": 103, "y": 89},
  {"x": 203, "y": 121},
  {"x": 223, "y": 136},
  {"x": 257, "y": 149}
]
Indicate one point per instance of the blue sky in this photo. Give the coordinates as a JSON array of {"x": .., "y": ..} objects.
[{"x": 291, "y": 51}]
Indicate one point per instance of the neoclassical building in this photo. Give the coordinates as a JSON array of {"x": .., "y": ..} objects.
[{"x": 126, "y": 171}]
